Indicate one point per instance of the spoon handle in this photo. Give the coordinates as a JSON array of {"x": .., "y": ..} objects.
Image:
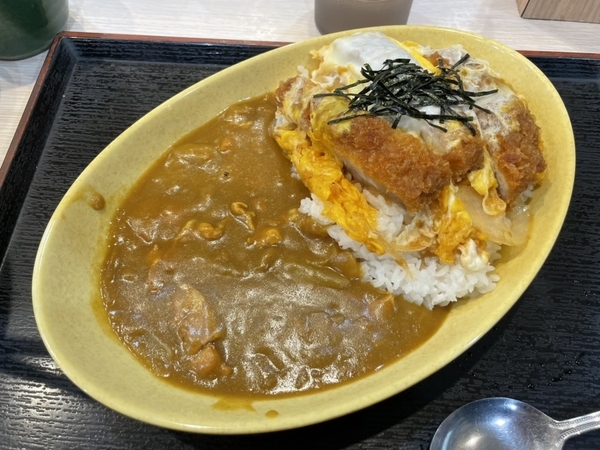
[{"x": 579, "y": 425}]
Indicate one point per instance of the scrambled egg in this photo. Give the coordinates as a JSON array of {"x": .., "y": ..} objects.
[
  {"x": 455, "y": 231},
  {"x": 323, "y": 174},
  {"x": 485, "y": 183}
]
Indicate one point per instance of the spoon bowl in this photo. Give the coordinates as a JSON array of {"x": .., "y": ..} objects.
[{"x": 506, "y": 424}]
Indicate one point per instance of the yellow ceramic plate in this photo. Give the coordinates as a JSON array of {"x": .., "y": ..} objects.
[{"x": 65, "y": 280}]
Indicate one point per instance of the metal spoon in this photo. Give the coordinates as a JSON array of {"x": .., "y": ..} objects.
[{"x": 507, "y": 424}]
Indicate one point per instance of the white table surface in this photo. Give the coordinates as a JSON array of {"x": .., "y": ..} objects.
[{"x": 278, "y": 21}]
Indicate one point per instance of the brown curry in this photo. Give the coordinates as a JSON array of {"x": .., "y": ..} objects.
[{"x": 214, "y": 281}]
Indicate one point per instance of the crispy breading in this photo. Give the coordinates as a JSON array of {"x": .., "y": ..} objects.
[
  {"x": 396, "y": 162},
  {"x": 514, "y": 147},
  {"x": 466, "y": 155}
]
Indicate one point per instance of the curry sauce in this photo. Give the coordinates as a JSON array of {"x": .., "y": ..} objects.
[{"x": 216, "y": 282}]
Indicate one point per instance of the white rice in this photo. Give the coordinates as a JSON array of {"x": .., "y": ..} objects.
[{"x": 428, "y": 281}]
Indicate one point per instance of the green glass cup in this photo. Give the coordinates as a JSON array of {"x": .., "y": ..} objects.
[{"x": 27, "y": 27}]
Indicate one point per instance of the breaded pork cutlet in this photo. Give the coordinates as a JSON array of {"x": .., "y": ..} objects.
[
  {"x": 399, "y": 164},
  {"x": 404, "y": 167},
  {"x": 514, "y": 144}
]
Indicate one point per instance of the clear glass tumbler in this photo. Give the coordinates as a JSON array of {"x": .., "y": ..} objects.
[{"x": 338, "y": 15}]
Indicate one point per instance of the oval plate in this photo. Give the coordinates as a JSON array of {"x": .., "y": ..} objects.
[{"x": 66, "y": 272}]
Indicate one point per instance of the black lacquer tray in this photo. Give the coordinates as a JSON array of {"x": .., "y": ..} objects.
[{"x": 545, "y": 351}]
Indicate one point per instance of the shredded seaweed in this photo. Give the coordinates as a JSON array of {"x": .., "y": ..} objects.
[{"x": 402, "y": 88}]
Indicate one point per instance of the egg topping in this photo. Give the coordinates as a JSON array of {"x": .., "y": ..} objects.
[{"x": 309, "y": 129}]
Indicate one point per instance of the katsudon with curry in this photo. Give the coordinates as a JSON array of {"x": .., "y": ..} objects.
[{"x": 311, "y": 236}]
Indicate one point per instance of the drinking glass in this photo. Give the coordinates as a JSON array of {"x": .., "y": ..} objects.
[
  {"x": 27, "y": 27},
  {"x": 338, "y": 15}
]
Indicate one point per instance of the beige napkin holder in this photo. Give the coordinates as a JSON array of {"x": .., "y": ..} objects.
[{"x": 570, "y": 10}]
